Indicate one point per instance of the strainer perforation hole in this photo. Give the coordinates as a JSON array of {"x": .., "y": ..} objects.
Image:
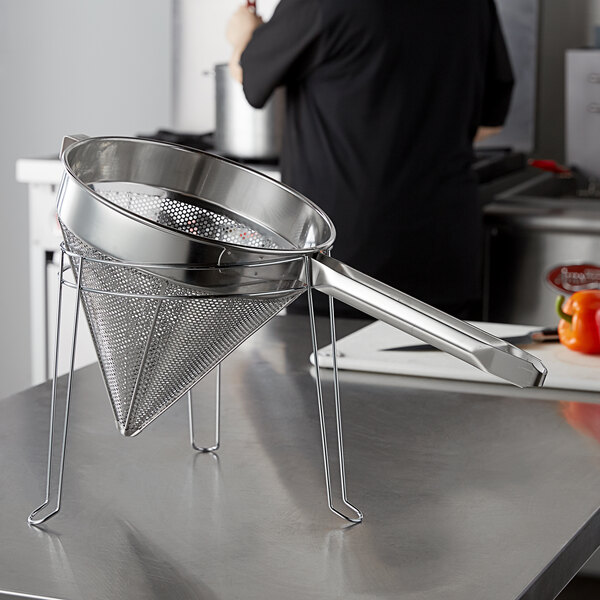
[{"x": 189, "y": 218}]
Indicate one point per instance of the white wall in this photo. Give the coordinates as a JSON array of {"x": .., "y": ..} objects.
[
  {"x": 564, "y": 24},
  {"x": 200, "y": 44},
  {"x": 98, "y": 67}
]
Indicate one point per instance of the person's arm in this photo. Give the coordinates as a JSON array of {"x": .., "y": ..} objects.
[
  {"x": 485, "y": 132},
  {"x": 239, "y": 32},
  {"x": 284, "y": 50},
  {"x": 499, "y": 82}
]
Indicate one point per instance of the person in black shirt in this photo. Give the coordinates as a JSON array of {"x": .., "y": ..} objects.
[{"x": 384, "y": 101}]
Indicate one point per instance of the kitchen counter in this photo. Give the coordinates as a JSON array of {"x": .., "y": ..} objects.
[{"x": 466, "y": 493}]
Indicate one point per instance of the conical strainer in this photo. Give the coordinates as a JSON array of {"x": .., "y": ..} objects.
[
  {"x": 156, "y": 338},
  {"x": 219, "y": 250}
]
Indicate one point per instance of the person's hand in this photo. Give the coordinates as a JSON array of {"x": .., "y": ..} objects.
[
  {"x": 239, "y": 31},
  {"x": 241, "y": 26},
  {"x": 485, "y": 132}
]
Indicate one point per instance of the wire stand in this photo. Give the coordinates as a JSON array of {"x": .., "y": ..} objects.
[
  {"x": 33, "y": 518},
  {"x": 54, "y": 477},
  {"x": 338, "y": 411},
  {"x": 217, "y": 443}
]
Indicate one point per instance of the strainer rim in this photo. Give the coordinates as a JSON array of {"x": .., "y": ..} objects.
[{"x": 326, "y": 245}]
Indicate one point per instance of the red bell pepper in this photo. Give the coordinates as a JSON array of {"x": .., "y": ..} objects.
[{"x": 579, "y": 327}]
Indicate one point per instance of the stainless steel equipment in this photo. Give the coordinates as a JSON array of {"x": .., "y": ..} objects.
[
  {"x": 531, "y": 228},
  {"x": 583, "y": 110},
  {"x": 180, "y": 255},
  {"x": 548, "y": 220},
  {"x": 242, "y": 131}
]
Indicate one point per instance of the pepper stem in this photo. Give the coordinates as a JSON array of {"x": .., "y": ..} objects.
[{"x": 559, "y": 309}]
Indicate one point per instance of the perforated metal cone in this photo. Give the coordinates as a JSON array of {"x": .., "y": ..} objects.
[{"x": 153, "y": 350}]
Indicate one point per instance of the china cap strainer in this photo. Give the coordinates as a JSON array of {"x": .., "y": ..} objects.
[{"x": 241, "y": 243}]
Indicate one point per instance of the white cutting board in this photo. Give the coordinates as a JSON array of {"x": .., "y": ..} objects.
[{"x": 363, "y": 351}]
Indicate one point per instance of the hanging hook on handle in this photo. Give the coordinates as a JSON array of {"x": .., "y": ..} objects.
[{"x": 68, "y": 140}]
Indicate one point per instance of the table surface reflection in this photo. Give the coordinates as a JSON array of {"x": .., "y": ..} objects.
[{"x": 469, "y": 491}]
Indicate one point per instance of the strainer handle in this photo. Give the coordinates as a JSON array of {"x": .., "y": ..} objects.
[{"x": 430, "y": 325}]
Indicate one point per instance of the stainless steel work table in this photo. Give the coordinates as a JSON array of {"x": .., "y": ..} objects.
[{"x": 469, "y": 492}]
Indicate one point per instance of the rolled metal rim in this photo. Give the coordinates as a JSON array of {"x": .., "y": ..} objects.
[{"x": 320, "y": 245}]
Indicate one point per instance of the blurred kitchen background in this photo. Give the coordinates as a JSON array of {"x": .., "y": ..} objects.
[{"x": 132, "y": 67}]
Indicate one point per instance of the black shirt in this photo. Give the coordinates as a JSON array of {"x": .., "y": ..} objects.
[{"x": 383, "y": 100}]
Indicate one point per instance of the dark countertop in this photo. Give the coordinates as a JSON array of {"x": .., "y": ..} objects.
[{"x": 466, "y": 494}]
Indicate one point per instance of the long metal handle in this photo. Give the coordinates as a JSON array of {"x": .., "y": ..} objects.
[{"x": 428, "y": 324}]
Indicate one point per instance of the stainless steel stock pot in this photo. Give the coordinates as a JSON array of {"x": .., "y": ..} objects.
[{"x": 242, "y": 131}]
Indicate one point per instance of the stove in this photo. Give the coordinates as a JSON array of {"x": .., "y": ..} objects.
[
  {"x": 201, "y": 141},
  {"x": 206, "y": 143},
  {"x": 494, "y": 163},
  {"x": 198, "y": 141}
]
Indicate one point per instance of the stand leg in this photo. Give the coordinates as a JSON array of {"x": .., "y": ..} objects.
[
  {"x": 33, "y": 518},
  {"x": 338, "y": 414},
  {"x": 217, "y": 417}
]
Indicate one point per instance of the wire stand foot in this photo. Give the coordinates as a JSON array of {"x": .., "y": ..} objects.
[
  {"x": 217, "y": 443},
  {"x": 338, "y": 416},
  {"x": 37, "y": 517}
]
